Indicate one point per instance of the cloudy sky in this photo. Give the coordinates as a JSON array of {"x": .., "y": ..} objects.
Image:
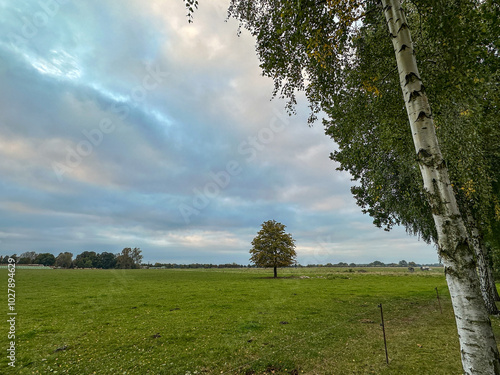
[{"x": 124, "y": 126}]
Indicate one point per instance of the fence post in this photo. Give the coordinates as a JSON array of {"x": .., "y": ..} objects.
[
  {"x": 439, "y": 300},
  {"x": 383, "y": 330}
]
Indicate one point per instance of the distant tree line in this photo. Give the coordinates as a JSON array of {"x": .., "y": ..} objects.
[
  {"x": 128, "y": 259},
  {"x": 195, "y": 265},
  {"x": 131, "y": 259},
  {"x": 376, "y": 263}
]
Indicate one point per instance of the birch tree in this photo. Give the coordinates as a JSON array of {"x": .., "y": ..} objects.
[
  {"x": 385, "y": 168},
  {"x": 296, "y": 42},
  {"x": 478, "y": 347}
]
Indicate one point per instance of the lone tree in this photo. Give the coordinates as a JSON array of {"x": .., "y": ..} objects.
[{"x": 272, "y": 247}]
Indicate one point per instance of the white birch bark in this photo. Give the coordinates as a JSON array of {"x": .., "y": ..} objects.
[{"x": 478, "y": 346}]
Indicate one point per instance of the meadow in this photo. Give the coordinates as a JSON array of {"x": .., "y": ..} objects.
[{"x": 241, "y": 321}]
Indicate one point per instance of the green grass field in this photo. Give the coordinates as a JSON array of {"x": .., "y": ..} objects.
[{"x": 231, "y": 322}]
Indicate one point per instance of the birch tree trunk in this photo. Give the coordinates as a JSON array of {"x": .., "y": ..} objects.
[
  {"x": 492, "y": 280},
  {"x": 494, "y": 289},
  {"x": 478, "y": 346},
  {"x": 485, "y": 276},
  {"x": 489, "y": 289},
  {"x": 483, "y": 268}
]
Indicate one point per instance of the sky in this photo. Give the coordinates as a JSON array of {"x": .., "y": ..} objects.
[{"x": 123, "y": 125}]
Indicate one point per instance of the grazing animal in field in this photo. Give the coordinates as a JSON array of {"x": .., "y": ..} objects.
[
  {"x": 411, "y": 269},
  {"x": 425, "y": 268}
]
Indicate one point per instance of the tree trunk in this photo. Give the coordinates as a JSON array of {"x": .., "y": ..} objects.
[
  {"x": 478, "y": 346},
  {"x": 493, "y": 284},
  {"x": 488, "y": 286},
  {"x": 275, "y": 271},
  {"x": 496, "y": 296},
  {"x": 485, "y": 280},
  {"x": 483, "y": 268}
]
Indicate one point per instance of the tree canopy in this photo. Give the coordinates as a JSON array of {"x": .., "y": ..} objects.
[
  {"x": 129, "y": 258},
  {"x": 371, "y": 125},
  {"x": 47, "y": 259},
  {"x": 272, "y": 247},
  {"x": 64, "y": 260}
]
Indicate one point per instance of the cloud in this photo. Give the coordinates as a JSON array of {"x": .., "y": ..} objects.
[{"x": 123, "y": 125}]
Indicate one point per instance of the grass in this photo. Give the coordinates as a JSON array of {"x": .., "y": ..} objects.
[{"x": 231, "y": 322}]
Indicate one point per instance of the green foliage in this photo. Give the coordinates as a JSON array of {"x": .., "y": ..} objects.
[
  {"x": 272, "y": 247},
  {"x": 372, "y": 130},
  {"x": 87, "y": 259},
  {"x": 47, "y": 259},
  {"x": 368, "y": 120},
  {"x": 493, "y": 244},
  {"x": 24, "y": 260},
  {"x": 129, "y": 258},
  {"x": 460, "y": 58},
  {"x": 27, "y": 257},
  {"x": 298, "y": 40},
  {"x": 6, "y": 258},
  {"x": 64, "y": 260},
  {"x": 107, "y": 260}
]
